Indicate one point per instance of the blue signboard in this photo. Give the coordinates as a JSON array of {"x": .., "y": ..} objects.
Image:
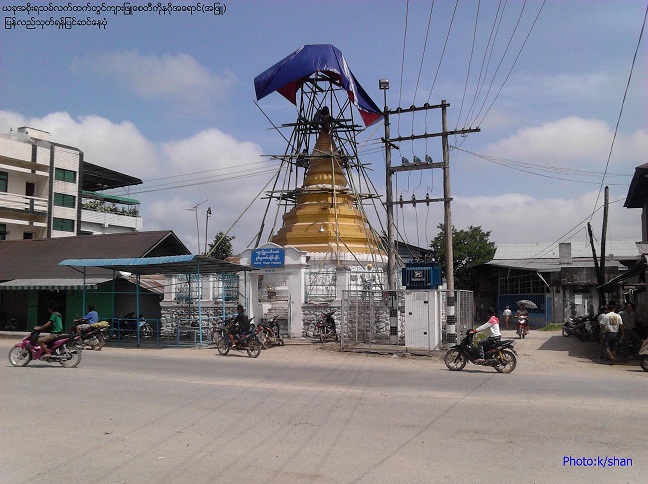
[{"x": 264, "y": 258}]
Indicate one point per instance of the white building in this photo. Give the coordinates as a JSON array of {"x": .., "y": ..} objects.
[{"x": 47, "y": 190}]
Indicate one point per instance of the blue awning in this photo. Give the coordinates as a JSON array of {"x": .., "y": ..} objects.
[
  {"x": 51, "y": 284},
  {"x": 172, "y": 264}
]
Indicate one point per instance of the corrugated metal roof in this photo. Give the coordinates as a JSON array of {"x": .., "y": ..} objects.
[
  {"x": 178, "y": 264},
  {"x": 52, "y": 284},
  {"x": 548, "y": 265},
  {"x": 39, "y": 258},
  {"x": 623, "y": 249}
]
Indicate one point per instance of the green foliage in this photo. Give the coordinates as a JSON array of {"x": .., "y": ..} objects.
[
  {"x": 470, "y": 248},
  {"x": 102, "y": 206},
  {"x": 221, "y": 247}
]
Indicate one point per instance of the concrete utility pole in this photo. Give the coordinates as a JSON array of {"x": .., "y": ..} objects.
[{"x": 447, "y": 198}]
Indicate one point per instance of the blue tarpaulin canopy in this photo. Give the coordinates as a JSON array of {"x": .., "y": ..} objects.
[{"x": 288, "y": 75}]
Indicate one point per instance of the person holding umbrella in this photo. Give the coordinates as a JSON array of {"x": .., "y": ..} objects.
[{"x": 522, "y": 317}]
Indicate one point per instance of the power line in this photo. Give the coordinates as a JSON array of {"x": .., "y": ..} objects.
[
  {"x": 514, "y": 63},
  {"x": 625, "y": 94},
  {"x": 528, "y": 167}
]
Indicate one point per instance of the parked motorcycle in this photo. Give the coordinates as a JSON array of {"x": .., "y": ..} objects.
[
  {"x": 568, "y": 327},
  {"x": 10, "y": 325},
  {"x": 325, "y": 328},
  {"x": 269, "y": 333},
  {"x": 501, "y": 355},
  {"x": 583, "y": 327},
  {"x": 128, "y": 325},
  {"x": 246, "y": 341},
  {"x": 64, "y": 350}
]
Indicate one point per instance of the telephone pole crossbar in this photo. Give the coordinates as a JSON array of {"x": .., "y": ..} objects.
[
  {"x": 446, "y": 199},
  {"x": 434, "y": 135}
]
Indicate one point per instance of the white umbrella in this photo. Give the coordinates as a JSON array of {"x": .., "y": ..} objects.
[{"x": 527, "y": 304}]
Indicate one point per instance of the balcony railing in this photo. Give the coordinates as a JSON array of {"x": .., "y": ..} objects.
[
  {"x": 23, "y": 203},
  {"x": 111, "y": 219}
]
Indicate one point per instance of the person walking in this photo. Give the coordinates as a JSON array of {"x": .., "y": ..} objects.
[{"x": 506, "y": 315}]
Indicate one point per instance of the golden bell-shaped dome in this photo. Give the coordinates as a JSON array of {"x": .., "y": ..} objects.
[{"x": 325, "y": 218}]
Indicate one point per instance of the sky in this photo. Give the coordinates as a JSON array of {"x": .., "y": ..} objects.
[{"x": 553, "y": 86}]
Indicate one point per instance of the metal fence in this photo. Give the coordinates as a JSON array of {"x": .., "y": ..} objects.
[
  {"x": 422, "y": 317},
  {"x": 365, "y": 317}
]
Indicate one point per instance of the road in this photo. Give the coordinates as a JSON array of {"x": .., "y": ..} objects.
[{"x": 306, "y": 414}]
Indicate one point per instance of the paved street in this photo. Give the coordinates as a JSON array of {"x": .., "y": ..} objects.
[{"x": 304, "y": 414}]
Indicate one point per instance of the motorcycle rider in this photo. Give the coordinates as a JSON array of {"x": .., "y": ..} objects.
[
  {"x": 84, "y": 323},
  {"x": 494, "y": 335},
  {"x": 522, "y": 316},
  {"x": 55, "y": 325},
  {"x": 240, "y": 325}
]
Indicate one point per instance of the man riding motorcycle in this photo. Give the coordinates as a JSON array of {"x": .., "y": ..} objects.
[
  {"x": 494, "y": 335},
  {"x": 240, "y": 325}
]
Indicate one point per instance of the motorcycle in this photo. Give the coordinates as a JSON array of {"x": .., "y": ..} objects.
[
  {"x": 501, "y": 355},
  {"x": 325, "y": 327},
  {"x": 583, "y": 327},
  {"x": 129, "y": 325},
  {"x": 568, "y": 327},
  {"x": 643, "y": 356},
  {"x": 246, "y": 341},
  {"x": 522, "y": 326},
  {"x": 64, "y": 350},
  {"x": 269, "y": 333},
  {"x": 95, "y": 336}
]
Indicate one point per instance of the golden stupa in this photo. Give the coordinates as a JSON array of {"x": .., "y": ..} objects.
[{"x": 325, "y": 218}]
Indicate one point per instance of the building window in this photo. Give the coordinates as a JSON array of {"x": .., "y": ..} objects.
[
  {"x": 4, "y": 181},
  {"x": 63, "y": 224},
  {"x": 28, "y": 235},
  {"x": 62, "y": 174},
  {"x": 63, "y": 200},
  {"x": 3, "y": 231}
]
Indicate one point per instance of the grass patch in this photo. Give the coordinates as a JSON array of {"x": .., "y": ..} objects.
[{"x": 551, "y": 327}]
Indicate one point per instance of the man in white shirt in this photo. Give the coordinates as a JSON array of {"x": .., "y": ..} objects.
[
  {"x": 507, "y": 316},
  {"x": 611, "y": 327}
]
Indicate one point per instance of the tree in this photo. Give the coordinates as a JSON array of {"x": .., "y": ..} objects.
[
  {"x": 470, "y": 248},
  {"x": 221, "y": 247}
]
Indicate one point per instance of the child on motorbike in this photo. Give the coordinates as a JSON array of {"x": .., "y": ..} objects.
[{"x": 494, "y": 335}]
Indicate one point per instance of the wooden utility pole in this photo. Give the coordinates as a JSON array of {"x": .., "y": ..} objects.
[
  {"x": 599, "y": 276},
  {"x": 604, "y": 233},
  {"x": 447, "y": 198}
]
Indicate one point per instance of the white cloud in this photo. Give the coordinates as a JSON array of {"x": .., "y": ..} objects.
[
  {"x": 589, "y": 86},
  {"x": 568, "y": 140},
  {"x": 519, "y": 218},
  {"x": 118, "y": 146},
  {"x": 571, "y": 141},
  {"x": 178, "y": 78}
]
